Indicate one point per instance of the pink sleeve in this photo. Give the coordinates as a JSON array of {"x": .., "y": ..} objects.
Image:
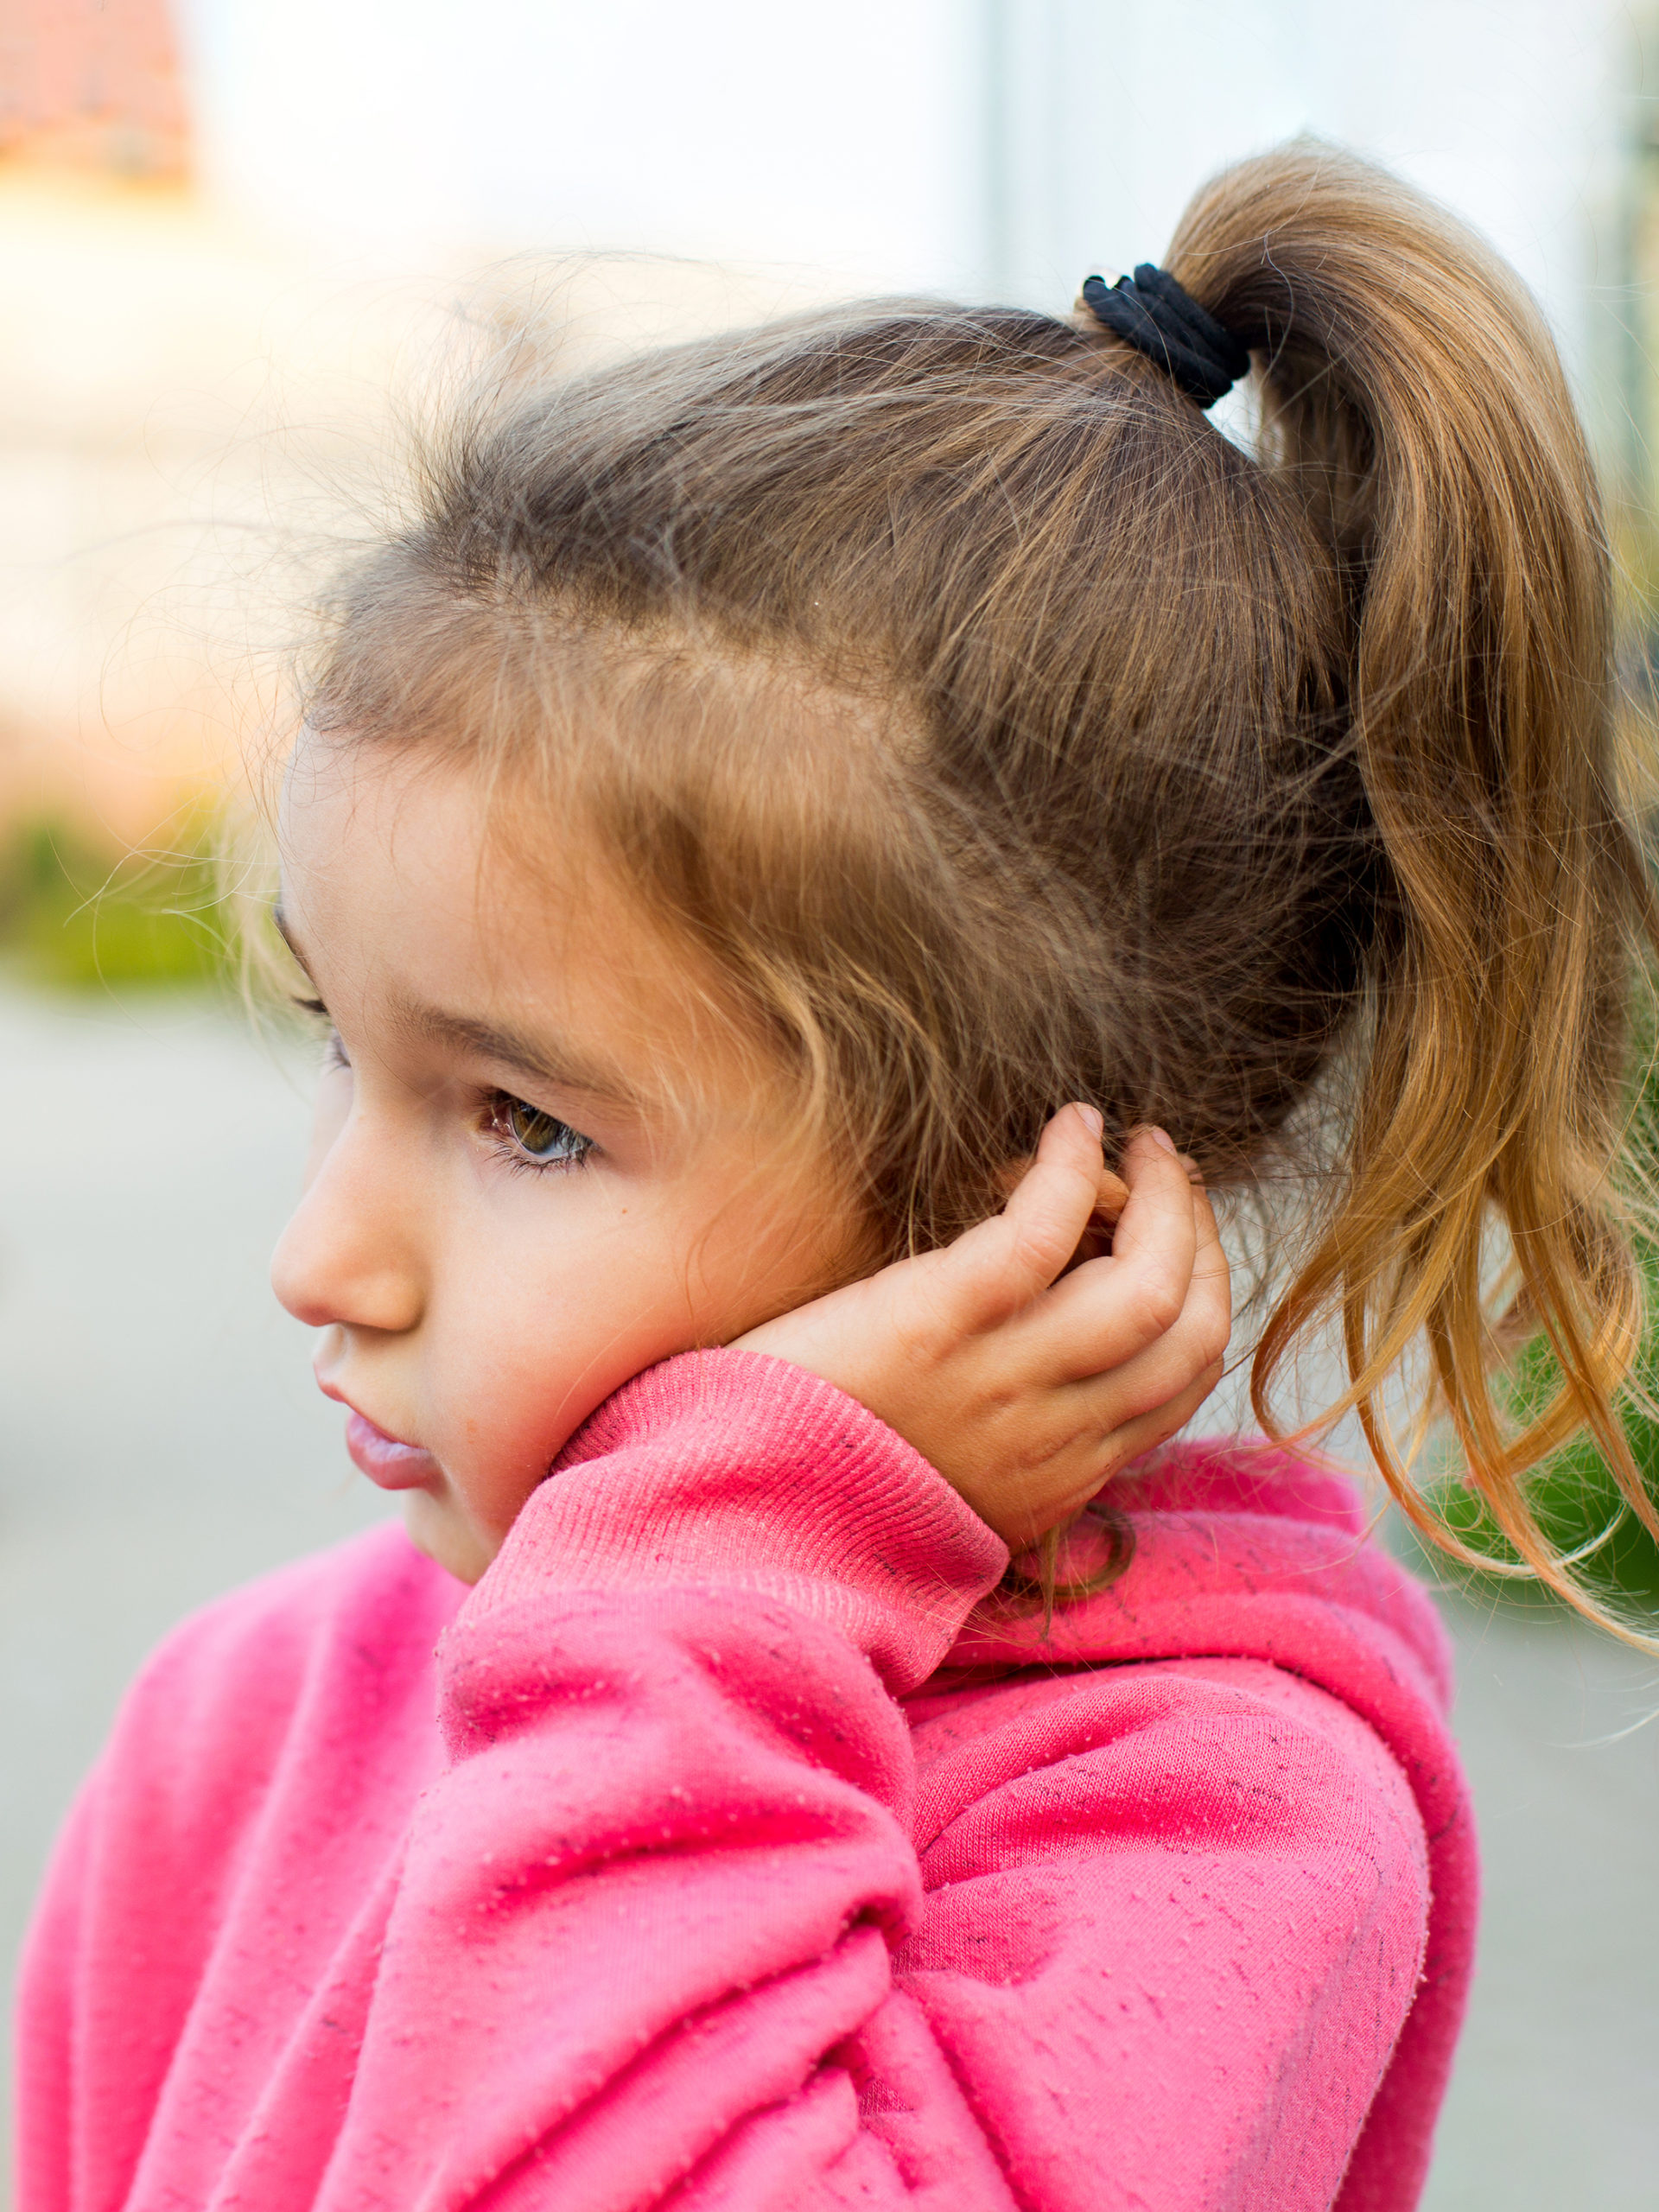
[
  {"x": 1174, "y": 1918},
  {"x": 661, "y": 1936}
]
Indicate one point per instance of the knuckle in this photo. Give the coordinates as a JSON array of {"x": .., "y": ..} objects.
[
  {"x": 1138, "y": 1393},
  {"x": 1036, "y": 1250},
  {"x": 1214, "y": 1336},
  {"x": 1132, "y": 1413},
  {"x": 1158, "y": 1307},
  {"x": 1115, "y": 1453},
  {"x": 921, "y": 1323}
]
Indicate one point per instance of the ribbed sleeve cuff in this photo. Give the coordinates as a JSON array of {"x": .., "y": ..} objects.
[{"x": 730, "y": 1470}]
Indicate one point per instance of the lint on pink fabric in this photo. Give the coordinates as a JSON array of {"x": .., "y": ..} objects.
[{"x": 735, "y": 1851}]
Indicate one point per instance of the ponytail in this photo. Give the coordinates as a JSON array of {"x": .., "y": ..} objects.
[{"x": 1413, "y": 399}]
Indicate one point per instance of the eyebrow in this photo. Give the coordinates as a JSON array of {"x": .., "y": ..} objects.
[
  {"x": 510, "y": 1048},
  {"x": 506, "y": 1047}
]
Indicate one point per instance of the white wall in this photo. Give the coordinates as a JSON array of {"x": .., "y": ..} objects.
[
  {"x": 991, "y": 146},
  {"x": 844, "y": 139},
  {"x": 1112, "y": 110}
]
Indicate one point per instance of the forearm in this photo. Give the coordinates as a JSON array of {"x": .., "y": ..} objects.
[{"x": 656, "y": 1894}]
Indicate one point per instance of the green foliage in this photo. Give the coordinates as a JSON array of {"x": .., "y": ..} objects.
[
  {"x": 1573, "y": 1494},
  {"x": 1575, "y": 1499},
  {"x": 78, "y": 917}
]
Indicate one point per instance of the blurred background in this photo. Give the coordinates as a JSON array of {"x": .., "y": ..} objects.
[{"x": 234, "y": 239}]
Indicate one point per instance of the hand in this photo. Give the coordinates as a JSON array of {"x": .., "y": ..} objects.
[{"x": 1025, "y": 1369}]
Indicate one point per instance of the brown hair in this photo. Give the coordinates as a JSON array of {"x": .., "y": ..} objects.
[{"x": 1009, "y": 735}]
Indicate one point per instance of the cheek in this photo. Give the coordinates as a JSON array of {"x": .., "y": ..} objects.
[
  {"x": 547, "y": 1302},
  {"x": 541, "y": 1325},
  {"x": 779, "y": 1243}
]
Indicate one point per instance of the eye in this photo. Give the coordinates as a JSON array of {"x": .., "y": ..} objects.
[
  {"x": 334, "y": 1052},
  {"x": 532, "y": 1138}
]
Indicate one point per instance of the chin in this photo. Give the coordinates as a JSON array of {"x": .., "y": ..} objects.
[{"x": 450, "y": 1542}]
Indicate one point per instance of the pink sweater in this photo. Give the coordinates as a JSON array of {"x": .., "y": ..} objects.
[{"x": 733, "y": 1852}]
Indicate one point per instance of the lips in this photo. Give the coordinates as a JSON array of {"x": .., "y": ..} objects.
[{"x": 384, "y": 1459}]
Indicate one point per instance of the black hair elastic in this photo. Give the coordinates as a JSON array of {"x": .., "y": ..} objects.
[{"x": 1151, "y": 312}]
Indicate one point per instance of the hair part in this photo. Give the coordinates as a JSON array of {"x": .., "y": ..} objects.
[{"x": 1008, "y": 736}]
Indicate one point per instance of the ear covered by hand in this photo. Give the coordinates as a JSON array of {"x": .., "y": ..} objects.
[{"x": 1048, "y": 1346}]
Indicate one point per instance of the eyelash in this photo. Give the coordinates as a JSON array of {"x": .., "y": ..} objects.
[
  {"x": 334, "y": 1052},
  {"x": 498, "y": 1118},
  {"x": 498, "y": 1127}
]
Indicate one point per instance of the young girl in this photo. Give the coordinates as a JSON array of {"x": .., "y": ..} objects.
[{"x": 766, "y": 783}]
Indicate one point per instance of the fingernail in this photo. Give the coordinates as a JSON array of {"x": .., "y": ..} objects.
[
  {"x": 1163, "y": 1139},
  {"x": 1094, "y": 1117}
]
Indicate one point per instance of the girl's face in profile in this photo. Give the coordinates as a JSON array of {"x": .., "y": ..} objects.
[{"x": 542, "y": 1162}]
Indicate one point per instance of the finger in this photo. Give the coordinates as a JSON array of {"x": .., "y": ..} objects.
[
  {"x": 1115, "y": 1191},
  {"x": 1001, "y": 1265},
  {"x": 1136, "y": 1438},
  {"x": 1111, "y": 1197},
  {"x": 1109, "y": 1309},
  {"x": 1210, "y": 1263},
  {"x": 1155, "y": 1241},
  {"x": 1163, "y": 1371},
  {"x": 1083, "y": 1469},
  {"x": 1125, "y": 1391},
  {"x": 1092, "y": 1341}
]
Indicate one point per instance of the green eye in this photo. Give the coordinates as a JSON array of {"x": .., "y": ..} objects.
[{"x": 540, "y": 1137}]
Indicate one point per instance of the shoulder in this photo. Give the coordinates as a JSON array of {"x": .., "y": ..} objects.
[
  {"x": 1225, "y": 1756},
  {"x": 1204, "y": 1880},
  {"x": 322, "y": 1647},
  {"x": 369, "y": 1591},
  {"x": 1260, "y": 1661},
  {"x": 1263, "y": 1682},
  {"x": 1249, "y": 1553},
  {"x": 1246, "y": 1550}
]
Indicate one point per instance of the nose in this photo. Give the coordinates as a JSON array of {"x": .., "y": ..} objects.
[{"x": 350, "y": 1255}]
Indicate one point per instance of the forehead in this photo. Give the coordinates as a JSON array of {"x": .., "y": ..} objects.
[{"x": 410, "y": 886}]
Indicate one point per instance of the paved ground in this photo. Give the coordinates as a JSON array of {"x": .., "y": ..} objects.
[{"x": 160, "y": 1440}]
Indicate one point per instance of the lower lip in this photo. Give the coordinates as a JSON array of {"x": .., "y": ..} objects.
[{"x": 384, "y": 1459}]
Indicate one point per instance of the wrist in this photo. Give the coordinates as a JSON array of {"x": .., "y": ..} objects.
[{"x": 739, "y": 1470}]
